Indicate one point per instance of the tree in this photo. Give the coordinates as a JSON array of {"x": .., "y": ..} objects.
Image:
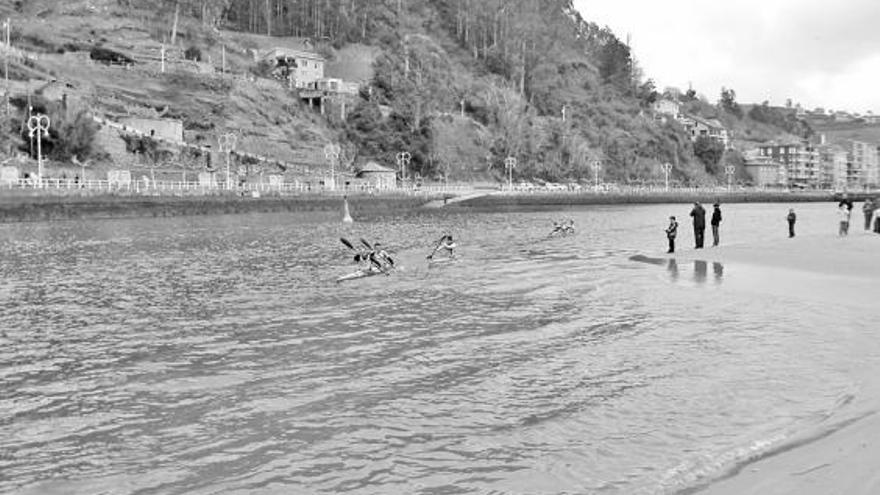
[
  {"x": 709, "y": 151},
  {"x": 729, "y": 104}
]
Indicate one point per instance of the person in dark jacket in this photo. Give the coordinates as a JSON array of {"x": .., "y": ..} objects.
[
  {"x": 699, "y": 215},
  {"x": 792, "y": 218},
  {"x": 868, "y": 209},
  {"x": 671, "y": 232},
  {"x": 716, "y": 223}
]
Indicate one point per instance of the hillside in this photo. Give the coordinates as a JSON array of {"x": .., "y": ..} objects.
[{"x": 461, "y": 84}]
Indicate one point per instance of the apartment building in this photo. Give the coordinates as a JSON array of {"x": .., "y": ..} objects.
[
  {"x": 864, "y": 164},
  {"x": 800, "y": 162}
]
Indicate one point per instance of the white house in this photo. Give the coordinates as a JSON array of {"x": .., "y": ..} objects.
[
  {"x": 711, "y": 128},
  {"x": 665, "y": 106},
  {"x": 303, "y": 68}
]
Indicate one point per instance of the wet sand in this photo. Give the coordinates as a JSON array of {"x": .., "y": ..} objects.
[
  {"x": 857, "y": 255},
  {"x": 842, "y": 458}
]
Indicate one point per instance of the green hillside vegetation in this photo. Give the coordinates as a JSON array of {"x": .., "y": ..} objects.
[
  {"x": 461, "y": 84},
  {"x": 852, "y": 131}
]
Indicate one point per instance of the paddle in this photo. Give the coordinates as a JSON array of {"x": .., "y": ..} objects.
[
  {"x": 436, "y": 248},
  {"x": 358, "y": 257}
]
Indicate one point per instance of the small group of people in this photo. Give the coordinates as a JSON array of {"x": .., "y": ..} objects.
[
  {"x": 562, "y": 227},
  {"x": 869, "y": 208},
  {"x": 698, "y": 213}
]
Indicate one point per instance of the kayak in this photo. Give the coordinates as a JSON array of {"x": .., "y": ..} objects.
[
  {"x": 359, "y": 274},
  {"x": 442, "y": 261}
]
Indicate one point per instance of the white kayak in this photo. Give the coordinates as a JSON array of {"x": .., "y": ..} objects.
[
  {"x": 362, "y": 273},
  {"x": 442, "y": 261}
]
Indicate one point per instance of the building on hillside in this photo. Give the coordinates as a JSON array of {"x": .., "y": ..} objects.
[
  {"x": 763, "y": 169},
  {"x": 834, "y": 165},
  {"x": 711, "y": 128},
  {"x": 335, "y": 86},
  {"x": 800, "y": 162},
  {"x": 666, "y": 106},
  {"x": 378, "y": 176},
  {"x": 863, "y": 164},
  {"x": 302, "y": 68}
]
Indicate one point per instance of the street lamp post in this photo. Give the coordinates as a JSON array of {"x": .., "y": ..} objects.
[
  {"x": 667, "y": 168},
  {"x": 730, "y": 170},
  {"x": 597, "y": 166},
  {"x": 510, "y": 163},
  {"x": 227, "y": 145},
  {"x": 331, "y": 153},
  {"x": 39, "y": 124},
  {"x": 403, "y": 160}
]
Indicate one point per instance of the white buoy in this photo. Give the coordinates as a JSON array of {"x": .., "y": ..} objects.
[{"x": 346, "y": 217}]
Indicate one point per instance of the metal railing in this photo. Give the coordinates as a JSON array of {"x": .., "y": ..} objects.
[{"x": 55, "y": 187}]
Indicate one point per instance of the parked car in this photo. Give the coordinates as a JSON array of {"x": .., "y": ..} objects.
[
  {"x": 552, "y": 186},
  {"x": 573, "y": 186},
  {"x": 525, "y": 186}
]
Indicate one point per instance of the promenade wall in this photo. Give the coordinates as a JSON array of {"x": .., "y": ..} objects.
[
  {"x": 541, "y": 200},
  {"x": 49, "y": 208}
]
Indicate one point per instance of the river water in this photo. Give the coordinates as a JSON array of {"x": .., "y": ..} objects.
[{"x": 217, "y": 355}]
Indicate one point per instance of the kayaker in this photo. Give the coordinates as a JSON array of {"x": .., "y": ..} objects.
[
  {"x": 563, "y": 227},
  {"x": 447, "y": 244},
  {"x": 380, "y": 259}
]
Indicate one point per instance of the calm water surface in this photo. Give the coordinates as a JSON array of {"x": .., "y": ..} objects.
[{"x": 217, "y": 355}]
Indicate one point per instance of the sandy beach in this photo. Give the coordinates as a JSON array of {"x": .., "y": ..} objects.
[
  {"x": 838, "y": 458},
  {"x": 842, "y": 460},
  {"x": 855, "y": 255}
]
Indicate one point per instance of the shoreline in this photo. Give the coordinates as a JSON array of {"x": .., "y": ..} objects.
[
  {"x": 841, "y": 457},
  {"x": 841, "y": 454}
]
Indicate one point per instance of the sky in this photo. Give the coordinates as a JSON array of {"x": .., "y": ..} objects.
[{"x": 819, "y": 53}]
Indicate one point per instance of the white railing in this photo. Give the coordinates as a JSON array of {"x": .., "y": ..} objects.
[{"x": 147, "y": 187}]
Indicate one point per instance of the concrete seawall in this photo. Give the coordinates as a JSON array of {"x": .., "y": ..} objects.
[
  {"x": 35, "y": 209},
  {"x": 539, "y": 201}
]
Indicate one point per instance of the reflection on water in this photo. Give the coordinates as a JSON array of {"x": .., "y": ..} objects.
[
  {"x": 700, "y": 268},
  {"x": 718, "y": 269},
  {"x": 218, "y": 355},
  {"x": 672, "y": 267}
]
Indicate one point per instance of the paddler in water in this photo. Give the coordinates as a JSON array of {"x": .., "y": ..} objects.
[
  {"x": 563, "y": 227},
  {"x": 447, "y": 244},
  {"x": 379, "y": 259}
]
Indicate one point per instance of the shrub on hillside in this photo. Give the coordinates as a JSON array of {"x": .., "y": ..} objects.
[
  {"x": 786, "y": 120},
  {"x": 193, "y": 53},
  {"x": 709, "y": 151}
]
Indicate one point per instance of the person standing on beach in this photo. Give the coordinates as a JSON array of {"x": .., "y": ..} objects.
[
  {"x": 843, "y": 213},
  {"x": 716, "y": 224},
  {"x": 699, "y": 215},
  {"x": 868, "y": 209},
  {"x": 671, "y": 232},
  {"x": 792, "y": 218}
]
